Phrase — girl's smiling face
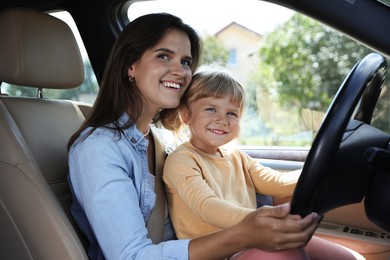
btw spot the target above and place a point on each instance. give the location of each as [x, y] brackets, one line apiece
[163, 72]
[213, 122]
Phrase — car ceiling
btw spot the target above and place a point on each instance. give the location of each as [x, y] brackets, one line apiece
[335, 13]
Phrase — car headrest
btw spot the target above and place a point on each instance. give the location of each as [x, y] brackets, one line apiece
[38, 50]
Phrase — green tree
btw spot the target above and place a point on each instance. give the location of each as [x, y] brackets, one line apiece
[302, 65]
[214, 52]
[310, 61]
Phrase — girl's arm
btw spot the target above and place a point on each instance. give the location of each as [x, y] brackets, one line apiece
[268, 181]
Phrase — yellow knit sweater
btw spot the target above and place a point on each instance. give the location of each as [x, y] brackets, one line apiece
[207, 193]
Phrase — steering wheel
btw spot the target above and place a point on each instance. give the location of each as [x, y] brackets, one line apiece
[336, 171]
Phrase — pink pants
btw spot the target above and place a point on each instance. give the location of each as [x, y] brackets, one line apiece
[255, 254]
[316, 249]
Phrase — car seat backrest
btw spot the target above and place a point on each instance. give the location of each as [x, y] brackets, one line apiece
[39, 51]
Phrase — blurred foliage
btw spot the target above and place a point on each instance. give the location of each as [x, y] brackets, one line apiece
[303, 63]
[214, 52]
[309, 61]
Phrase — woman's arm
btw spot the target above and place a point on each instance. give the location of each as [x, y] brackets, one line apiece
[268, 229]
[108, 182]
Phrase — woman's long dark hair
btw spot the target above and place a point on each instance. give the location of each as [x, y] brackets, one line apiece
[117, 94]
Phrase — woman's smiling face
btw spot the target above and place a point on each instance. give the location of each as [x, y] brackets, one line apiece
[163, 72]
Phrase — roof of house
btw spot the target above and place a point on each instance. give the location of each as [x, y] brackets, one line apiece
[238, 25]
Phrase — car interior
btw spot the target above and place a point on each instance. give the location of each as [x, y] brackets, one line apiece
[40, 51]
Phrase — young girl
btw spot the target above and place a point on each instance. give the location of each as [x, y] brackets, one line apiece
[209, 187]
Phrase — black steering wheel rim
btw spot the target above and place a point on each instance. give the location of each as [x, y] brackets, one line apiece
[327, 141]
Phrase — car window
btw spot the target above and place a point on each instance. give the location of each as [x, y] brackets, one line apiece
[290, 64]
[86, 92]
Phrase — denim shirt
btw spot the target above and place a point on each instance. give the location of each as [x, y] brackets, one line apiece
[113, 195]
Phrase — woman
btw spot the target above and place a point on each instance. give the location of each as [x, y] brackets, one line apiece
[112, 155]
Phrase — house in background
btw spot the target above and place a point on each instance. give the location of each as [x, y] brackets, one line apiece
[243, 45]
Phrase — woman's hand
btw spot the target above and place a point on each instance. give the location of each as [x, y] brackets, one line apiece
[273, 229]
[269, 228]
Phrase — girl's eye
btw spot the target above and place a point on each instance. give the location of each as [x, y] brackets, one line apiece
[211, 109]
[233, 114]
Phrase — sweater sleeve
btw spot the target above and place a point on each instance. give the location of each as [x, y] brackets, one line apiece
[271, 182]
[183, 175]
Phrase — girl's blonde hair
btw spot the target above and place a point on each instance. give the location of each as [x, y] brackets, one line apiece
[209, 82]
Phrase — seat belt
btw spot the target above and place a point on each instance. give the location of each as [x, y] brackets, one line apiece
[156, 221]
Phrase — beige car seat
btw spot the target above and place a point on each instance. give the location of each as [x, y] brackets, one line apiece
[39, 51]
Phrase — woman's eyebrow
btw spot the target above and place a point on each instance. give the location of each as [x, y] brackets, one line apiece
[165, 50]
[171, 52]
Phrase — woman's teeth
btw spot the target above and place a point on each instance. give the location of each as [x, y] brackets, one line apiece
[171, 85]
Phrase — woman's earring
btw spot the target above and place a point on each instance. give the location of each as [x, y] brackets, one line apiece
[131, 79]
